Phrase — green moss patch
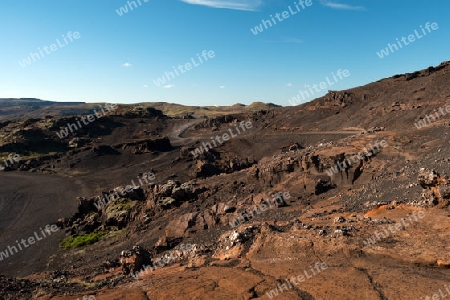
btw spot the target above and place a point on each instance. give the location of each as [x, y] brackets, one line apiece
[80, 241]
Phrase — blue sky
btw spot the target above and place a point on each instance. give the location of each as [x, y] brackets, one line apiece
[117, 58]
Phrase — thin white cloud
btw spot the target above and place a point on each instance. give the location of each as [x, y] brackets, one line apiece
[126, 65]
[222, 87]
[288, 84]
[146, 86]
[341, 5]
[169, 86]
[249, 5]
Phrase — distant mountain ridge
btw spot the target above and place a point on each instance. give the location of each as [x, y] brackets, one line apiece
[26, 108]
[34, 101]
[398, 101]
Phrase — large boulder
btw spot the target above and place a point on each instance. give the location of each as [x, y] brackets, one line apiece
[177, 228]
[322, 186]
[133, 260]
[117, 212]
[435, 188]
[173, 193]
[428, 178]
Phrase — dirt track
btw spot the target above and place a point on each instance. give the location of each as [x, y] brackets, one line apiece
[327, 219]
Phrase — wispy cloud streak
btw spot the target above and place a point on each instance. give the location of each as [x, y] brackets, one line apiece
[342, 6]
[249, 5]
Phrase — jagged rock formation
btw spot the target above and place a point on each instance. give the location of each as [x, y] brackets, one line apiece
[435, 188]
[369, 218]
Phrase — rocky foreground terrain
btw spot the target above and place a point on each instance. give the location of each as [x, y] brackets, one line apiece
[343, 197]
